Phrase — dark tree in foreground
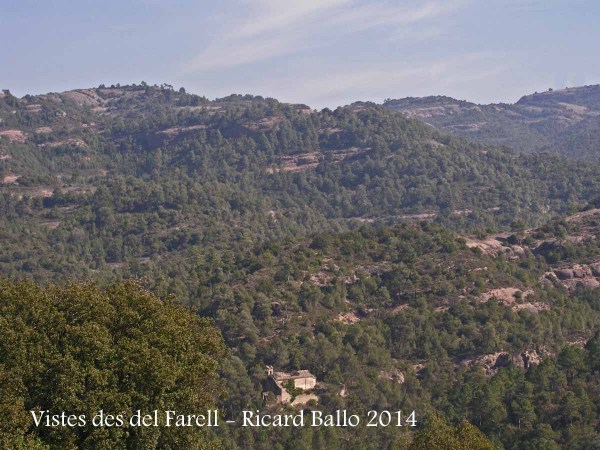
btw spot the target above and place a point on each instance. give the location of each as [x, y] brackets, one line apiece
[437, 434]
[80, 349]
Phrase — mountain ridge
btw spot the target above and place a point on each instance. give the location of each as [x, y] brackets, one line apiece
[360, 149]
[565, 121]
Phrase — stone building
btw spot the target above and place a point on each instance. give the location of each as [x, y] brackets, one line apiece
[280, 382]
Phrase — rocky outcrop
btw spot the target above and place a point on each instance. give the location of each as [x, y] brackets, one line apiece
[514, 298]
[14, 135]
[587, 275]
[564, 274]
[493, 362]
[394, 375]
[530, 358]
[348, 318]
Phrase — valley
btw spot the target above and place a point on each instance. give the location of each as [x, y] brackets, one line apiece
[402, 266]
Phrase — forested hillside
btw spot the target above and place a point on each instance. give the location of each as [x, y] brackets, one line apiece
[114, 177]
[494, 329]
[565, 121]
[404, 267]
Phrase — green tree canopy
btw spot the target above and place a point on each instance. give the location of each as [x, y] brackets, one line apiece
[438, 434]
[80, 349]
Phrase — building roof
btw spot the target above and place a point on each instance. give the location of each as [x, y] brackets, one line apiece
[284, 376]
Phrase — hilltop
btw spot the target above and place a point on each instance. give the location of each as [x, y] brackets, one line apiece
[565, 121]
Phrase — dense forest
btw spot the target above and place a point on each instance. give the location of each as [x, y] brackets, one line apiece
[405, 268]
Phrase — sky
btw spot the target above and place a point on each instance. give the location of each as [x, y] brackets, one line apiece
[323, 53]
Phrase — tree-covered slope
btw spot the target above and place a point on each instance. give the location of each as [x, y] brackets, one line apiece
[354, 243]
[418, 318]
[558, 121]
[121, 176]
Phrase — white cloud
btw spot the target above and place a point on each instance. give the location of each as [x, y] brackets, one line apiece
[376, 15]
[414, 34]
[274, 28]
[226, 55]
[274, 15]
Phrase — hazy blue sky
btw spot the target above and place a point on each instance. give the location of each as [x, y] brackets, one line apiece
[319, 52]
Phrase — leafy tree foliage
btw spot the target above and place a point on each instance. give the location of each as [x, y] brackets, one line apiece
[439, 435]
[79, 349]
